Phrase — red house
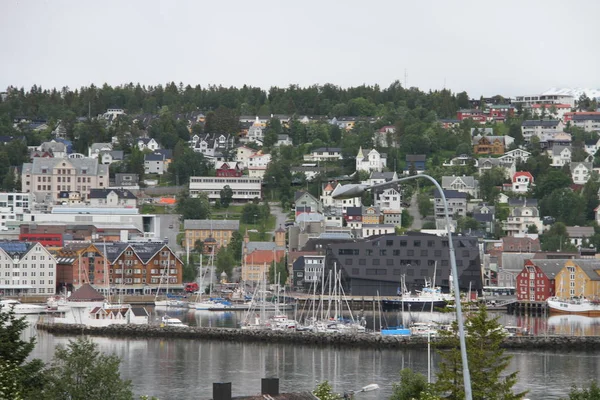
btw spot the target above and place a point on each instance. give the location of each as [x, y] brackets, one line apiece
[475, 115]
[536, 281]
[229, 170]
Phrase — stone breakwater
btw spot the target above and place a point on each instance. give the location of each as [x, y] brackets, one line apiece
[363, 340]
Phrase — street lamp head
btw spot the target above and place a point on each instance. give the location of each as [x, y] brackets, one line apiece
[349, 191]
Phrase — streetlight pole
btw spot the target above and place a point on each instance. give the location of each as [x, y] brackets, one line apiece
[356, 190]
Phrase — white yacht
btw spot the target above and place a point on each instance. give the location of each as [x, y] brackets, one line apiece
[20, 308]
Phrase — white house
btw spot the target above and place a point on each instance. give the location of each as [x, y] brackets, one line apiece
[537, 128]
[464, 184]
[520, 218]
[12, 208]
[581, 172]
[560, 155]
[148, 143]
[257, 165]
[326, 198]
[242, 155]
[155, 163]
[112, 198]
[256, 132]
[389, 199]
[384, 137]
[462, 160]
[370, 160]
[377, 229]
[591, 146]
[589, 122]
[577, 234]
[522, 181]
[58, 149]
[26, 268]
[96, 149]
[515, 156]
[283, 140]
[324, 154]
[556, 111]
[380, 177]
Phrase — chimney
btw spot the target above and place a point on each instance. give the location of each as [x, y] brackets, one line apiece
[221, 390]
[269, 386]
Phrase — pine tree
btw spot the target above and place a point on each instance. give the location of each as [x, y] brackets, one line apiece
[487, 361]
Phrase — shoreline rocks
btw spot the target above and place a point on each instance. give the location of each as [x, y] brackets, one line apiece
[370, 341]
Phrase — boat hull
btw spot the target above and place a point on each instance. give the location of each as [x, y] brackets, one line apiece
[577, 308]
[425, 305]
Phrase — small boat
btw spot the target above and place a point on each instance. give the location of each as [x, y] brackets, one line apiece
[20, 308]
[396, 331]
[575, 305]
[423, 300]
[172, 322]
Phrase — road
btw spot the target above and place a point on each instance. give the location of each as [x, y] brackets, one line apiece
[280, 216]
[413, 210]
[166, 220]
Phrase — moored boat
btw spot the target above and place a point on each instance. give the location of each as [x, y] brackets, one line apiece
[576, 305]
[20, 308]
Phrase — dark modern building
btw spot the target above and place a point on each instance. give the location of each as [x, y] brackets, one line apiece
[375, 265]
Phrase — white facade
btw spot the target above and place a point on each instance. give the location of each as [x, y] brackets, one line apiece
[545, 98]
[114, 200]
[314, 265]
[377, 229]
[149, 144]
[556, 111]
[581, 172]
[520, 218]
[538, 128]
[389, 199]
[589, 123]
[257, 165]
[32, 271]
[463, 184]
[255, 132]
[13, 206]
[244, 189]
[592, 147]
[324, 154]
[242, 154]
[329, 202]
[514, 156]
[522, 182]
[370, 161]
[560, 155]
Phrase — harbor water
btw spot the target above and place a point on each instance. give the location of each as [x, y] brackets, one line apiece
[186, 369]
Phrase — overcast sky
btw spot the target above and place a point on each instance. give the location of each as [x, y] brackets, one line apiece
[486, 48]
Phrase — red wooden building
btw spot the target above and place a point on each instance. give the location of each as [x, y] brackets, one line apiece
[229, 170]
[536, 282]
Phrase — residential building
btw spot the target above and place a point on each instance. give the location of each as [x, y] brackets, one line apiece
[449, 123]
[96, 149]
[313, 268]
[515, 156]
[371, 215]
[242, 154]
[310, 171]
[581, 172]
[389, 199]
[475, 115]
[414, 162]
[256, 132]
[520, 218]
[485, 215]
[12, 208]
[392, 217]
[124, 180]
[326, 198]
[306, 202]
[47, 177]
[549, 97]
[258, 256]
[112, 198]
[201, 229]
[370, 160]
[148, 143]
[482, 132]
[55, 148]
[462, 160]
[157, 162]
[536, 282]
[522, 182]
[457, 203]
[463, 184]
[376, 265]
[578, 278]
[368, 230]
[324, 154]
[257, 165]
[537, 128]
[578, 234]
[385, 136]
[555, 111]
[381, 177]
[591, 146]
[486, 164]
[26, 269]
[492, 145]
[590, 122]
[283, 140]
[229, 170]
[560, 155]
[244, 189]
[211, 144]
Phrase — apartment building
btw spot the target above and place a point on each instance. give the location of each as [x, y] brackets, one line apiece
[244, 189]
[47, 177]
[26, 268]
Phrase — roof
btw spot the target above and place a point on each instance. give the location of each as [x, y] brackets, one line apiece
[264, 256]
[550, 267]
[354, 211]
[86, 293]
[16, 249]
[415, 157]
[542, 123]
[557, 149]
[388, 176]
[301, 193]
[90, 165]
[209, 224]
[451, 194]
[154, 157]
[103, 193]
[328, 149]
[470, 181]
[580, 231]
[511, 243]
[589, 117]
[522, 202]
[522, 173]
[589, 266]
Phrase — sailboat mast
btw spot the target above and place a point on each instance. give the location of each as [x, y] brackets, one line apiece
[433, 285]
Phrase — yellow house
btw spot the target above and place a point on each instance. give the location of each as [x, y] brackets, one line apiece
[578, 278]
[371, 215]
[203, 229]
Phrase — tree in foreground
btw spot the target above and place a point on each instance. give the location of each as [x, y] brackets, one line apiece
[591, 393]
[412, 386]
[324, 391]
[487, 361]
[80, 371]
[18, 378]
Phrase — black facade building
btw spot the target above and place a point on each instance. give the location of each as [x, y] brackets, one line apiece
[375, 265]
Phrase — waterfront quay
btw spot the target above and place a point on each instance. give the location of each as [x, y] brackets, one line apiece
[357, 340]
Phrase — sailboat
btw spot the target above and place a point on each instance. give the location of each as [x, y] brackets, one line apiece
[211, 303]
[401, 330]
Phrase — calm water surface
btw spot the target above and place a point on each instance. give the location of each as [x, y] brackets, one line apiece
[186, 369]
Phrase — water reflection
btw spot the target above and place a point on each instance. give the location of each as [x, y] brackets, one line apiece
[187, 368]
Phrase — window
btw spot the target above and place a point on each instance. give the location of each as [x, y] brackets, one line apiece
[417, 243]
[389, 243]
[403, 243]
[369, 252]
[383, 252]
[396, 253]
[430, 243]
